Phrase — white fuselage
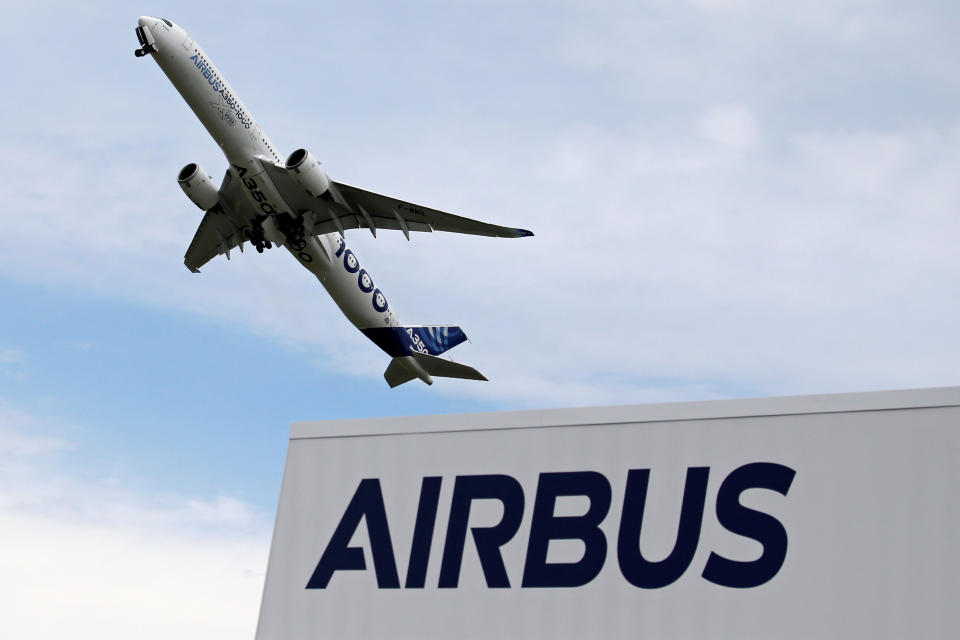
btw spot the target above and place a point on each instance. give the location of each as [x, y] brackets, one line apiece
[246, 148]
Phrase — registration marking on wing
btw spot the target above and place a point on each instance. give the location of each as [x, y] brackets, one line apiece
[403, 206]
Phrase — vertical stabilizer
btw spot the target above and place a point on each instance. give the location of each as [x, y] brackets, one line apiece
[401, 341]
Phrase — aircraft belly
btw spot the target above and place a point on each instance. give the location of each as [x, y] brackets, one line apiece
[327, 256]
[350, 286]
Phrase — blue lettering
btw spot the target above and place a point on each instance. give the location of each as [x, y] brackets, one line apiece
[639, 571]
[367, 503]
[545, 526]
[423, 533]
[488, 540]
[763, 528]
[537, 572]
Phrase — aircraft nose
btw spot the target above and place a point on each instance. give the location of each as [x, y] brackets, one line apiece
[147, 36]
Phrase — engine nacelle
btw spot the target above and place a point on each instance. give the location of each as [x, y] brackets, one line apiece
[199, 186]
[306, 169]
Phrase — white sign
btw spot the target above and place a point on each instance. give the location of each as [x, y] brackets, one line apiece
[786, 518]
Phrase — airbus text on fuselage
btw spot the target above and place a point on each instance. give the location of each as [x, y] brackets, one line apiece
[265, 201]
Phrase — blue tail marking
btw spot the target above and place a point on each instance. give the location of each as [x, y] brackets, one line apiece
[402, 341]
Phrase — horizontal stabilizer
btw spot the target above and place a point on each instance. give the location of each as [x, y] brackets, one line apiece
[420, 365]
[397, 374]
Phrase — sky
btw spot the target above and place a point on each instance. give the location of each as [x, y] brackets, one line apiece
[731, 198]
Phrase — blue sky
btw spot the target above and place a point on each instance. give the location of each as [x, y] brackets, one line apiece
[731, 198]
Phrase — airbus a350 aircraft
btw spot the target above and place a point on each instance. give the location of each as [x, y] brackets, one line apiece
[294, 204]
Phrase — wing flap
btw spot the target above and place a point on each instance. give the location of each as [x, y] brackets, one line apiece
[352, 222]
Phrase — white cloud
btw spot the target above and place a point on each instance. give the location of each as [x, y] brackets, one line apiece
[25, 438]
[730, 125]
[722, 6]
[809, 267]
[663, 264]
[723, 204]
[863, 163]
[11, 356]
[86, 558]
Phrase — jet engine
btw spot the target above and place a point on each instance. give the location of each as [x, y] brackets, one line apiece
[306, 169]
[199, 186]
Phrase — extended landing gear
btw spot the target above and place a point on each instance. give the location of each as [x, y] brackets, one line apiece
[255, 234]
[148, 44]
[290, 226]
[261, 244]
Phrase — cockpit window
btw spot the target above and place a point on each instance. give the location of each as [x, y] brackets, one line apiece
[168, 23]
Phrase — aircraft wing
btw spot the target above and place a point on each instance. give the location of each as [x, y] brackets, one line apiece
[391, 213]
[355, 208]
[221, 228]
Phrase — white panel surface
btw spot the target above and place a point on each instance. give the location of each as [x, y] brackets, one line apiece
[872, 519]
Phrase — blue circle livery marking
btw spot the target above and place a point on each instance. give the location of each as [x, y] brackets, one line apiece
[364, 281]
[350, 262]
[379, 301]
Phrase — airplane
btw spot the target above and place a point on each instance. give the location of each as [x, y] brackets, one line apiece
[294, 204]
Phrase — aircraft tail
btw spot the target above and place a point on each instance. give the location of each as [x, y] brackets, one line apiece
[432, 340]
[420, 365]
